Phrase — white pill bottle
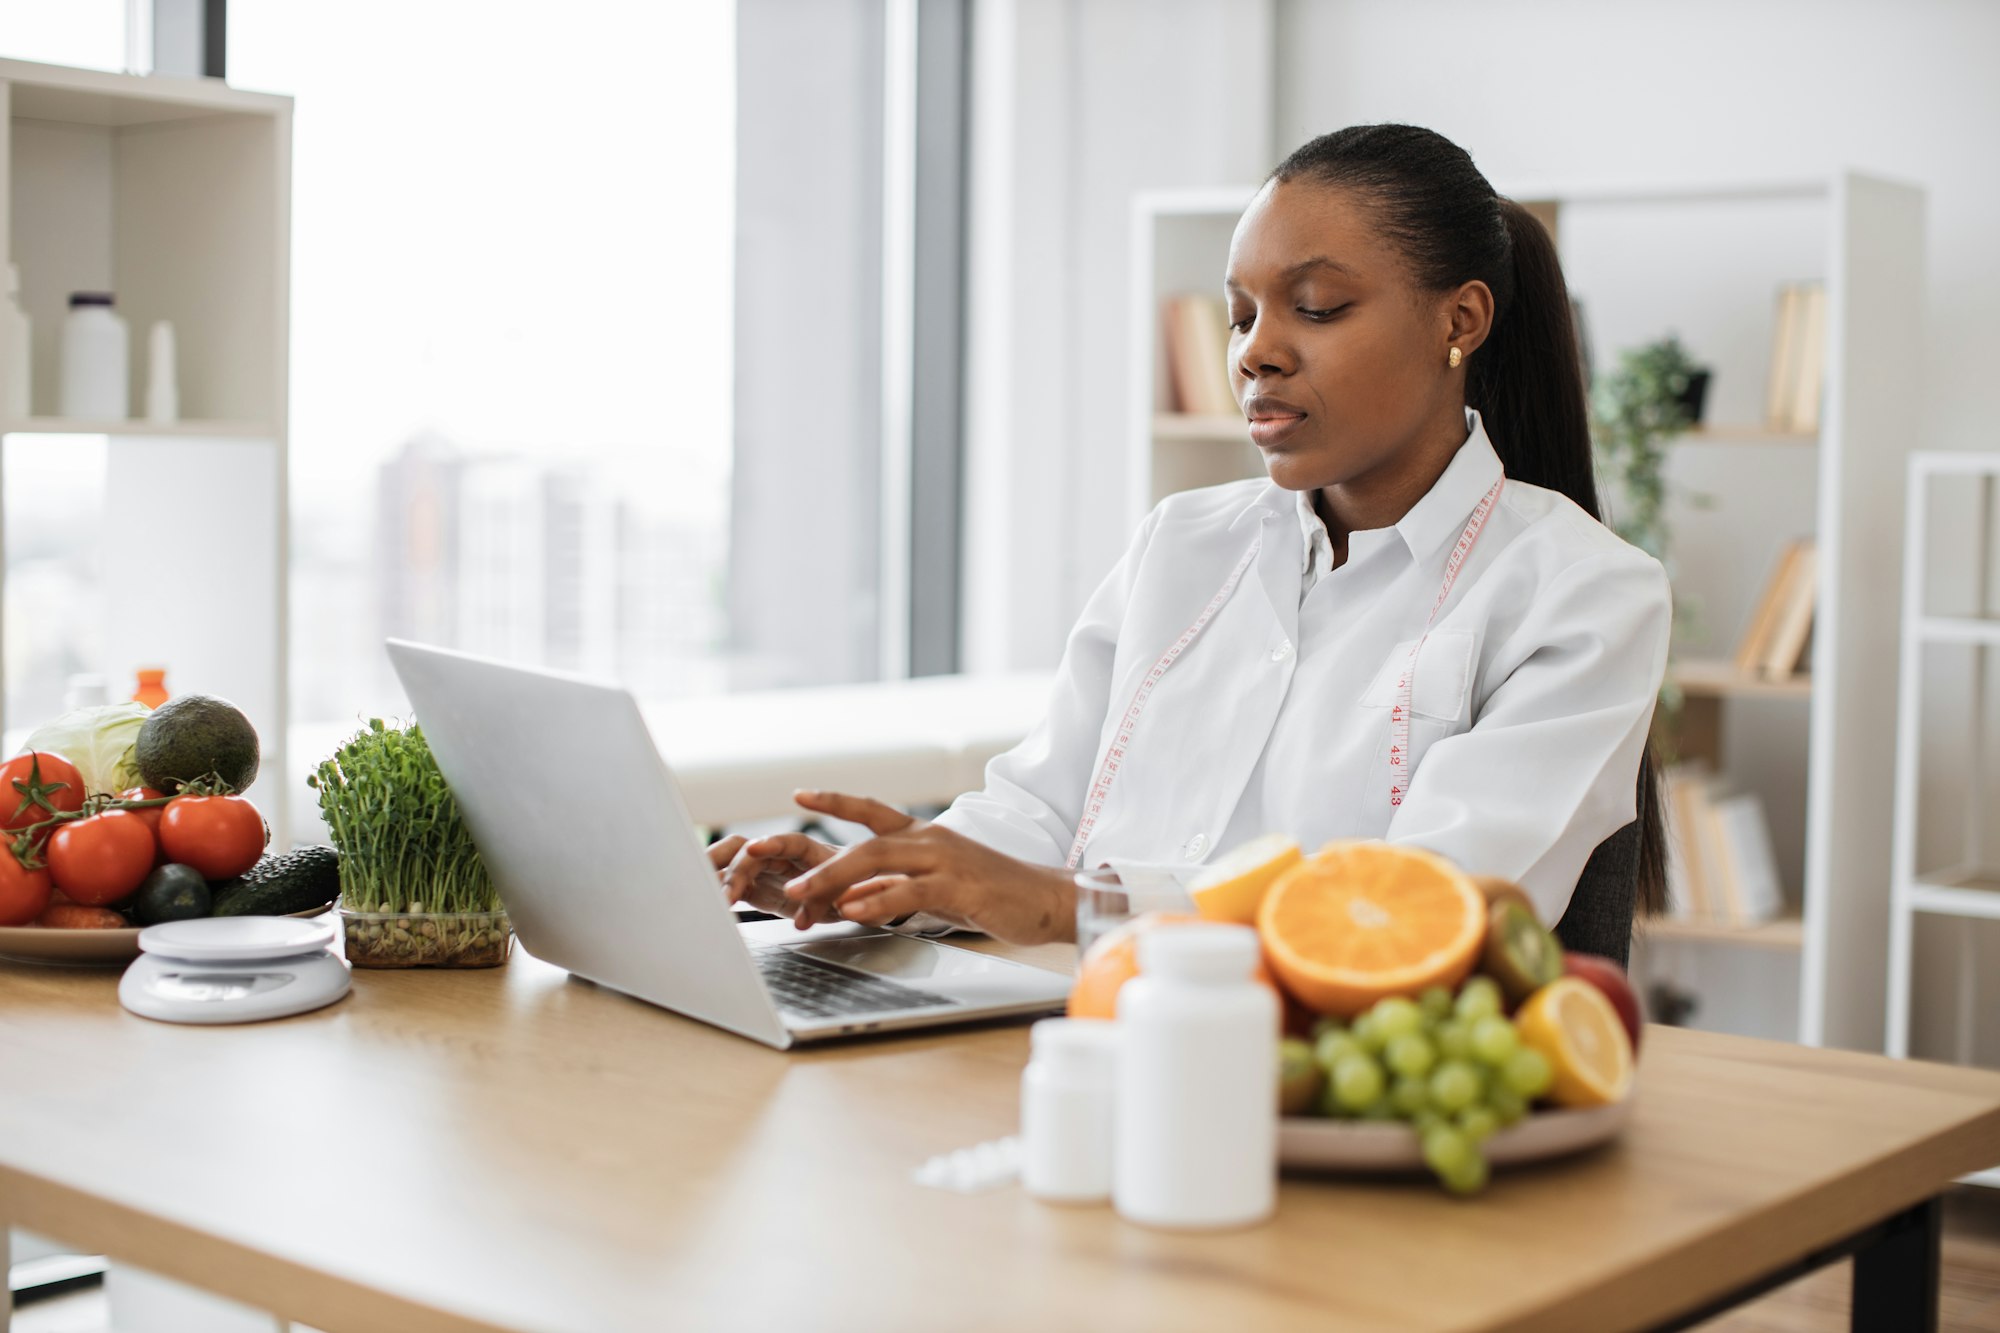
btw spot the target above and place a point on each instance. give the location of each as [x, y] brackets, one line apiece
[1066, 1110]
[1196, 1143]
[96, 355]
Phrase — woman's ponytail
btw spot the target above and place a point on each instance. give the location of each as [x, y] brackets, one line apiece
[1526, 379]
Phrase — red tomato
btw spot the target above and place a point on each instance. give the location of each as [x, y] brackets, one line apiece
[218, 835]
[26, 777]
[152, 814]
[24, 894]
[104, 858]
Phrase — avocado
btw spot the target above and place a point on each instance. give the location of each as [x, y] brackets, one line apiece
[296, 881]
[193, 736]
[170, 893]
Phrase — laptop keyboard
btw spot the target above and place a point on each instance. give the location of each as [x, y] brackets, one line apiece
[817, 989]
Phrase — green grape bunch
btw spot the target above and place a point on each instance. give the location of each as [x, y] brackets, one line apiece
[1452, 1067]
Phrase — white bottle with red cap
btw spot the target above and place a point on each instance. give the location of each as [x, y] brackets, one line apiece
[1196, 1144]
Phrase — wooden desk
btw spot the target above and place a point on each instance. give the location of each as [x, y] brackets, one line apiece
[515, 1150]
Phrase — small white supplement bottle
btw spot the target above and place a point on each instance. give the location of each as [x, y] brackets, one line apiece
[1066, 1110]
[95, 360]
[1197, 1118]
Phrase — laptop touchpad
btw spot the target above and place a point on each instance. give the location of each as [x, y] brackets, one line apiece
[901, 958]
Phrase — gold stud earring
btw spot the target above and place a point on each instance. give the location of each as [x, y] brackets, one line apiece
[1454, 358]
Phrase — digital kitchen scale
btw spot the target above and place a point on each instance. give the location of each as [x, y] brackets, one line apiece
[233, 969]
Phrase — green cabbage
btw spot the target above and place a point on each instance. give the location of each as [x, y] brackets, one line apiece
[98, 740]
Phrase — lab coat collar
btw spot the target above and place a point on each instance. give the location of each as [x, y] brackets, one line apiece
[1433, 521]
[1438, 519]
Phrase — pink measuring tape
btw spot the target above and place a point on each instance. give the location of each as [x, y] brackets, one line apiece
[1114, 758]
[1399, 716]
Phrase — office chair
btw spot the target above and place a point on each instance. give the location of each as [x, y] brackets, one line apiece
[1599, 917]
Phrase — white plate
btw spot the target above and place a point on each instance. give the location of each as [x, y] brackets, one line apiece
[235, 939]
[42, 944]
[1313, 1144]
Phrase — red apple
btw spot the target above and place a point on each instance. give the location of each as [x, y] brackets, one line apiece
[1608, 977]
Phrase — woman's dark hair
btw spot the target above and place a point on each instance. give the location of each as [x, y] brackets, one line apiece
[1526, 380]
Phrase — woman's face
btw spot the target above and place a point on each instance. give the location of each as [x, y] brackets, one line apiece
[1338, 361]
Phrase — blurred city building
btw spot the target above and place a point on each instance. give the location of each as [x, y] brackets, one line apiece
[542, 562]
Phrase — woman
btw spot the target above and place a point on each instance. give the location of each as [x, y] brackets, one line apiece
[1416, 629]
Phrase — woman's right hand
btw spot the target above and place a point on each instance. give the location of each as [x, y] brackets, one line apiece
[756, 871]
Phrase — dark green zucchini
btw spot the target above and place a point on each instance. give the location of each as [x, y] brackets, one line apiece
[297, 881]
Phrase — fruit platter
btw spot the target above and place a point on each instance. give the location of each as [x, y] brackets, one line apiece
[1432, 1021]
[117, 817]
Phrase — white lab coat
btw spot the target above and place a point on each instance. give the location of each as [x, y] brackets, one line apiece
[1532, 696]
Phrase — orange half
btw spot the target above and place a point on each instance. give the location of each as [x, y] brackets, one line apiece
[1361, 920]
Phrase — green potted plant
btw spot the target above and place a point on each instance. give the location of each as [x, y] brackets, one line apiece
[413, 891]
[1649, 399]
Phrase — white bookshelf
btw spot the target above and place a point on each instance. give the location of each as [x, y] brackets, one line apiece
[1968, 890]
[174, 194]
[1813, 975]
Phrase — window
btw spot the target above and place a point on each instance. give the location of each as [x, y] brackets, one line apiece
[511, 339]
[596, 315]
[89, 34]
[54, 487]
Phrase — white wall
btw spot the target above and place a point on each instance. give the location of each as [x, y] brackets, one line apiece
[1705, 89]
[1696, 89]
[1078, 104]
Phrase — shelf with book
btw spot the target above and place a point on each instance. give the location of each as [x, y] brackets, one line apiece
[1724, 881]
[1185, 429]
[1708, 678]
[1785, 933]
[1753, 275]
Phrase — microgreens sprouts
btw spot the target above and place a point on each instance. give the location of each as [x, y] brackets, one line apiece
[403, 844]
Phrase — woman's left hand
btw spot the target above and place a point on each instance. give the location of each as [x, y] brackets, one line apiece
[914, 866]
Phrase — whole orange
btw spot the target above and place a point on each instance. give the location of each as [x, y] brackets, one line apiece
[1113, 960]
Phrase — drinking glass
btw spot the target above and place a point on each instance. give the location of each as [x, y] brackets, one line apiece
[1102, 905]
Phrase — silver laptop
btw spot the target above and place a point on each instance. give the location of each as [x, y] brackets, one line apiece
[607, 878]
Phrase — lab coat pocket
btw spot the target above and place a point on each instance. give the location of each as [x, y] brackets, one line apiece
[1439, 697]
[1443, 679]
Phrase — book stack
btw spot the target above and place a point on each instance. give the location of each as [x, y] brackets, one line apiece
[1197, 329]
[1774, 645]
[1798, 358]
[1720, 866]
